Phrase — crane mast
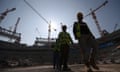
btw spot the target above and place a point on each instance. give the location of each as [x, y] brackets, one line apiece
[14, 31]
[95, 17]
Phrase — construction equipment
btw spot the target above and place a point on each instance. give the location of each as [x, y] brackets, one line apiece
[8, 33]
[2, 15]
[115, 27]
[95, 18]
[15, 28]
[14, 31]
[49, 24]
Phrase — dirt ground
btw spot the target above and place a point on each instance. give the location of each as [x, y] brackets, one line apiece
[74, 68]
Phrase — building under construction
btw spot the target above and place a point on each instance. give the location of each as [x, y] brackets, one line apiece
[15, 54]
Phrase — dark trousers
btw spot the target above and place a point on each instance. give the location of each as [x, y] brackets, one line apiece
[88, 48]
[64, 56]
[56, 59]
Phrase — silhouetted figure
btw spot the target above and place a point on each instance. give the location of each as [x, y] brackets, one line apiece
[56, 55]
[87, 42]
[65, 41]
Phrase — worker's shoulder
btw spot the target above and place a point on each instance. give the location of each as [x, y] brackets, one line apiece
[83, 22]
[64, 33]
[76, 23]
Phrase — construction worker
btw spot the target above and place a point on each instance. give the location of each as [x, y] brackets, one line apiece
[56, 55]
[65, 41]
[87, 42]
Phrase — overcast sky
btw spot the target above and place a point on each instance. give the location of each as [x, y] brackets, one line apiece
[57, 11]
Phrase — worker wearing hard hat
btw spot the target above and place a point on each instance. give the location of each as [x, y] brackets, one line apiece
[65, 40]
[86, 41]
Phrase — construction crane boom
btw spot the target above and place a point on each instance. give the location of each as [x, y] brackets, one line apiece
[36, 11]
[101, 6]
[95, 17]
[97, 8]
[49, 24]
[2, 15]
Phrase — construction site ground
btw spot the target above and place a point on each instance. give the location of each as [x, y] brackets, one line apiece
[74, 68]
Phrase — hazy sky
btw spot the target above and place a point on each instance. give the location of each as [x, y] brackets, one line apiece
[57, 11]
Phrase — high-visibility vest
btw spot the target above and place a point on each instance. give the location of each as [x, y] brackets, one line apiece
[77, 27]
[64, 38]
[56, 46]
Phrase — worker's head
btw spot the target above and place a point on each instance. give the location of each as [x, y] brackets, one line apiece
[64, 27]
[79, 16]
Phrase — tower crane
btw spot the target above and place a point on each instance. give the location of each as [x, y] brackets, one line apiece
[49, 23]
[2, 15]
[95, 17]
[8, 33]
[14, 31]
[15, 28]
